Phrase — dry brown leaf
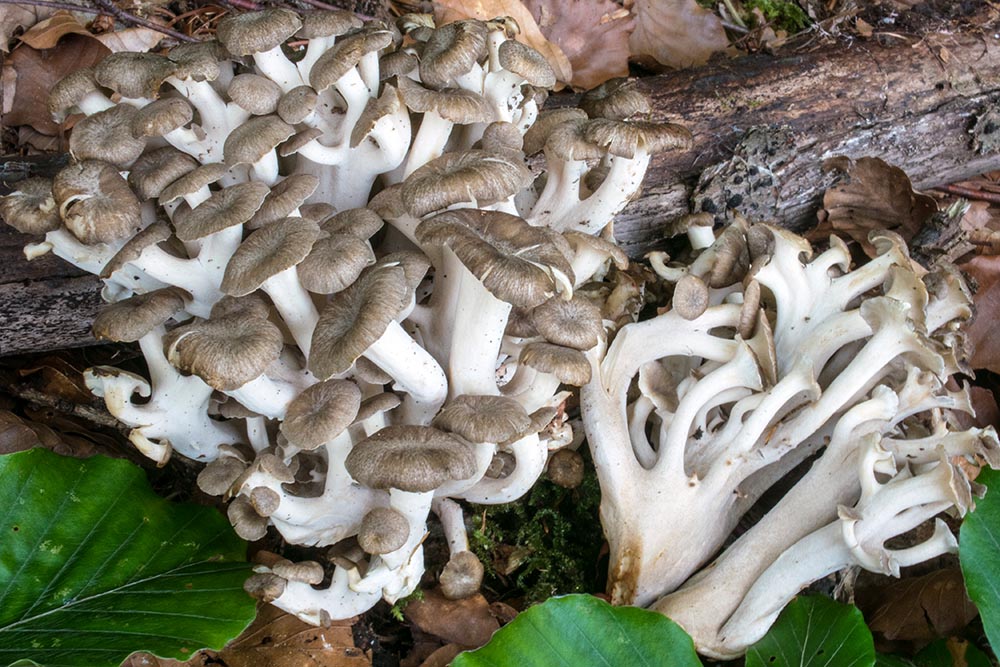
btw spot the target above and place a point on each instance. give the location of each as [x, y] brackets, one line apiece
[13, 17]
[985, 269]
[38, 70]
[443, 656]
[36, 143]
[138, 38]
[46, 34]
[446, 11]
[675, 33]
[18, 435]
[919, 609]
[465, 622]
[56, 377]
[874, 195]
[583, 28]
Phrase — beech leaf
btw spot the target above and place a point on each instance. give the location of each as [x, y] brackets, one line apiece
[675, 33]
[919, 608]
[94, 566]
[815, 631]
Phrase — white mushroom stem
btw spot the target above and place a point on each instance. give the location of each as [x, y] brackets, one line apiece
[295, 306]
[414, 371]
[189, 275]
[562, 190]
[274, 65]
[452, 520]
[430, 141]
[314, 605]
[62, 244]
[484, 452]
[265, 396]
[623, 180]
[530, 455]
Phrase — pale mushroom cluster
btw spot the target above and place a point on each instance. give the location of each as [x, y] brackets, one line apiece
[359, 305]
[768, 356]
[356, 301]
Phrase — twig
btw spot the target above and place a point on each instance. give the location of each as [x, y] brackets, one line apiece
[91, 414]
[126, 17]
[970, 193]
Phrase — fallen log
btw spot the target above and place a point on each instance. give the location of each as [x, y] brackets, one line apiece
[913, 101]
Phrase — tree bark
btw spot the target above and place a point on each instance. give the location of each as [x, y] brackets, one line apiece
[913, 102]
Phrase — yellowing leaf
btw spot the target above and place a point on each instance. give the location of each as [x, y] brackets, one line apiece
[455, 10]
[13, 17]
[583, 28]
[47, 33]
[138, 38]
[675, 33]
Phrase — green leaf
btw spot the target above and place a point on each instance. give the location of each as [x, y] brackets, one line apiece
[979, 552]
[815, 631]
[883, 660]
[94, 566]
[576, 630]
[936, 654]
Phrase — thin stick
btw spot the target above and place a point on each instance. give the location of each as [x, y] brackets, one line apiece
[248, 5]
[126, 17]
[970, 193]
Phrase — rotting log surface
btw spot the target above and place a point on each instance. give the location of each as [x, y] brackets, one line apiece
[912, 103]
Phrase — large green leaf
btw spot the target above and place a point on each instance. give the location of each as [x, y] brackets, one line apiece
[979, 551]
[94, 566]
[936, 654]
[577, 630]
[815, 631]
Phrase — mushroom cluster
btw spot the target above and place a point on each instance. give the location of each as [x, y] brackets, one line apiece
[356, 301]
[767, 357]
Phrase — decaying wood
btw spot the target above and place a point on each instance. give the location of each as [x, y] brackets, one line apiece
[913, 103]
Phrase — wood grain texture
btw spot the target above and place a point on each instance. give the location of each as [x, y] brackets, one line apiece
[912, 103]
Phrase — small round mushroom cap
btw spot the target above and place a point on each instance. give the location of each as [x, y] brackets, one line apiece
[344, 55]
[285, 196]
[218, 477]
[254, 32]
[548, 121]
[616, 99]
[503, 138]
[376, 109]
[355, 318]
[455, 104]
[451, 51]
[227, 352]
[565, 468]
[133, 74]
[462, 576]
[157, 232]
[519, 324]
[624, 138]
[198, 61]
[414, 264]
[162, 116]
[574, 323]
[251, 305]
[334, 263]
[410, 458]
[329, 23]
[130, 319]
[527, 63]
[254, 139]
[690, 297]
[69, 90]
[320, 413]
[383, 530]
[31, 208]
[296, 105]
[227, 207]
[96, 203]
[383, 402]
[407, 23]
[463, 177]
[307, 571]
[257, 94]
[192, 181]
[569, 365]
[246, 522]
[397, 63]
[568, 141]
[295, 142]
[107, 135]
[264, 500]
[266, 253]
[483, 418]
[362, 223]
[513, 259]
[156, 170]
[264, 586]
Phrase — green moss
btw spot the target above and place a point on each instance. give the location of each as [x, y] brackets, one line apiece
[781, 14]
[545, 544]
[396, 611]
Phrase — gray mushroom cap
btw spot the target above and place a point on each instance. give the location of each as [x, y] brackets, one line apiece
[255, 93]
[624, 138]
[96, 203]
[130, 319]
[254, 139]
[334, 263]
[383, 530]
[483, 418]
[155, 233]
[410, 458]
[690, 298]
[527, 63]
[255, 32]
[133, 74]
[572, 323]
[474, 175]
[230, 206]
[548, 121]
[296, 105]
[344, 55]
[285, 197]
[162, 116]
[198, 61]
[250, 526]
[569, 365]
[69, 90]
[616, 99]
[462, 576]
[225, 352]
[107, 135]
[191, 181]
[267, 252]
[455, 104]
[328, 23]
[31, 208]
[503, 251]
[451, 51]
[320, 413]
